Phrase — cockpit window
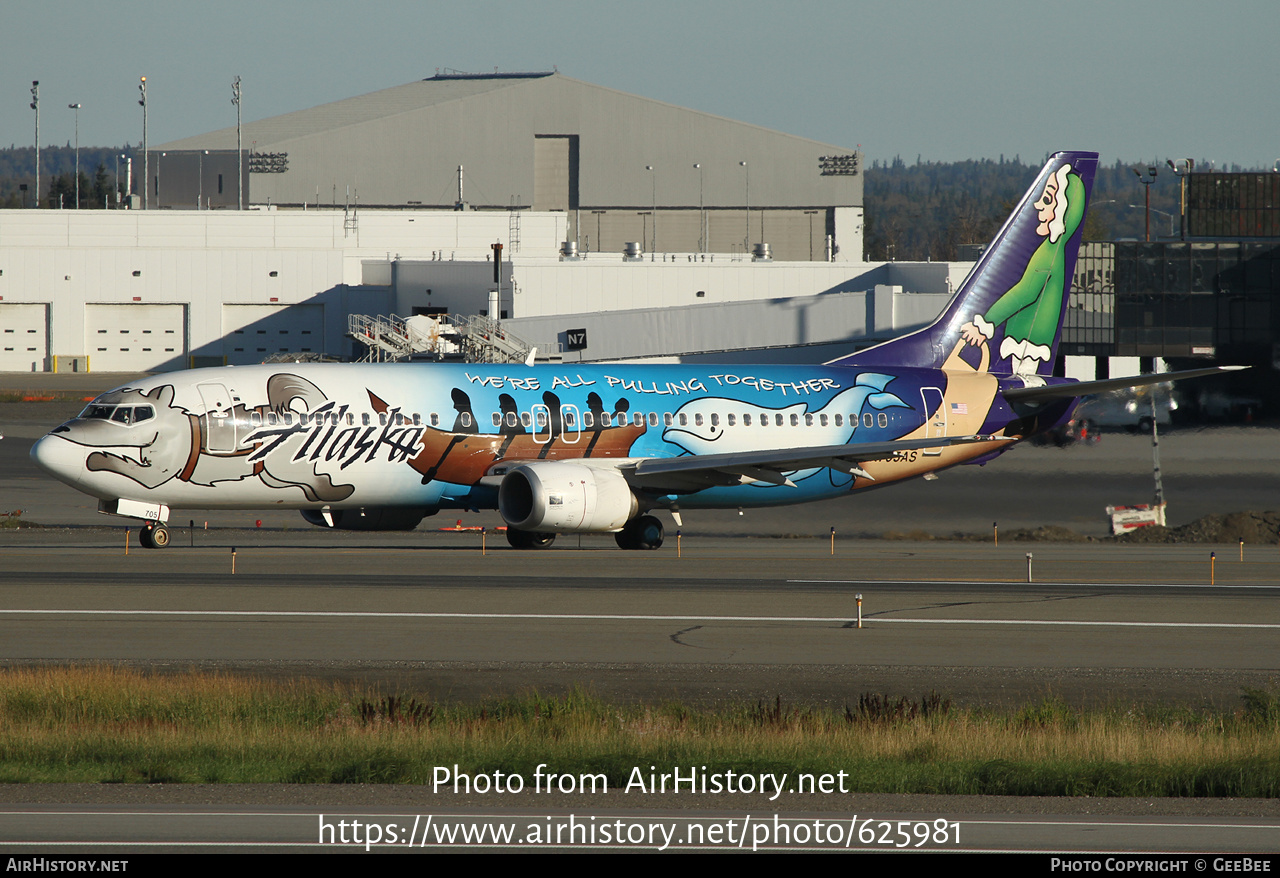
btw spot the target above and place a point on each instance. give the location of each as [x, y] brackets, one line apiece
[98, 412]
[121, 414]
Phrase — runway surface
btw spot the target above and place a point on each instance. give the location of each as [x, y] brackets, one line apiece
[737, 615]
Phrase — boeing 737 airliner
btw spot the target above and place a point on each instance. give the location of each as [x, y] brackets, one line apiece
[598, 448]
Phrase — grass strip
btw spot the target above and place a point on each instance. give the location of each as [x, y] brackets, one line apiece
[111, 725]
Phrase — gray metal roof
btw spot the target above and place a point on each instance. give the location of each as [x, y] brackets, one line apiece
[419, 95]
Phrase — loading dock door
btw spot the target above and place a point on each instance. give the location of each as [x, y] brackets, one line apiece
[251, 333]
[24, 337]
[135, 337]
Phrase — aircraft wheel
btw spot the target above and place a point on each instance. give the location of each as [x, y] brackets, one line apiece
[159, 537]
[644, 532]
[526, 539]
[144, 538]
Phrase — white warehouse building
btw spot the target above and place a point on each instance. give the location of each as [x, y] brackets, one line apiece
[638, 228]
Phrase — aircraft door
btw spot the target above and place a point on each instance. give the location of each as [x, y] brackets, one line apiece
[935, 417]
[570, 423]
[542, 427]
[219, 419]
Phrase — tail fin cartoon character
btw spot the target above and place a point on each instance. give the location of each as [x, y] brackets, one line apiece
[1014, 300]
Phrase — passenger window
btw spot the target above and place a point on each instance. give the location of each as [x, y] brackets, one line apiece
[288, 419]
[882, 419]
[808, 420]
[568, 418]
[746, 420]
[272, 419]
[777, 419]
[822, 420]
[840, 419]
[638, 419]
[606, 419]
[382, 419]
[542, 420]
[732, 419]
[866, 419]
[666, 419]
[417, 420]
[435, 419]
[364, 419]
[255, 419]
[653, 419]
[715, 419]
[588, 419]
[511, 419]
[795, 420]
[697, 419]
[684, 420]
[525, 419]
[465, 418]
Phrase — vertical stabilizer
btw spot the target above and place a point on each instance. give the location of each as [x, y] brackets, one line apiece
[1007, 316]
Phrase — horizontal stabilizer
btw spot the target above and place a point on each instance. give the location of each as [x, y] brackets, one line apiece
[1085, 388]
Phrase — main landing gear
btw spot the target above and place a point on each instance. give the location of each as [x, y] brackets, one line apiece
[154, 536]
[644, 532]
[527, 539]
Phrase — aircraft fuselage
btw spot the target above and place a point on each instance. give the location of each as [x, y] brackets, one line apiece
[441, 435]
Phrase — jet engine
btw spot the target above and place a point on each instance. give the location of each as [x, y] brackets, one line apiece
[373, 518]
[557, 497]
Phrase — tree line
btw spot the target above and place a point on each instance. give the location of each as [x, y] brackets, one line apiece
[58, 177]
[913, 212]
[932, 210]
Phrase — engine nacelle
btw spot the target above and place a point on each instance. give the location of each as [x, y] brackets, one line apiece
[373, 518]
[559, 497]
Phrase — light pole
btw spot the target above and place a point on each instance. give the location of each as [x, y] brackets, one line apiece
[159, 200]
[35, 105]
[1146, 182]
[653, 174]
[76, 107]
[235, 99]
[1188, 165]
[146, 165]
[702, 213]
[746, 241]
[200, 175]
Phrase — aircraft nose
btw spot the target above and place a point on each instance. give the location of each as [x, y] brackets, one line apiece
[59, 458]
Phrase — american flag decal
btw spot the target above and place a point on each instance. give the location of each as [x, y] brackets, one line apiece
[959, 408]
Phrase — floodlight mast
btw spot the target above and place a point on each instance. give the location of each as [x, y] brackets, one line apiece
[146, 166]
[235, 99]
[35, 105]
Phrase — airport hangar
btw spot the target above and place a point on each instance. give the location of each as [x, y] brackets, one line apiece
[630, 229]
[390, 203]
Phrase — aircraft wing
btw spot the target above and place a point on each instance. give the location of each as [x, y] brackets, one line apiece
[1084, 388]
[695, 472]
